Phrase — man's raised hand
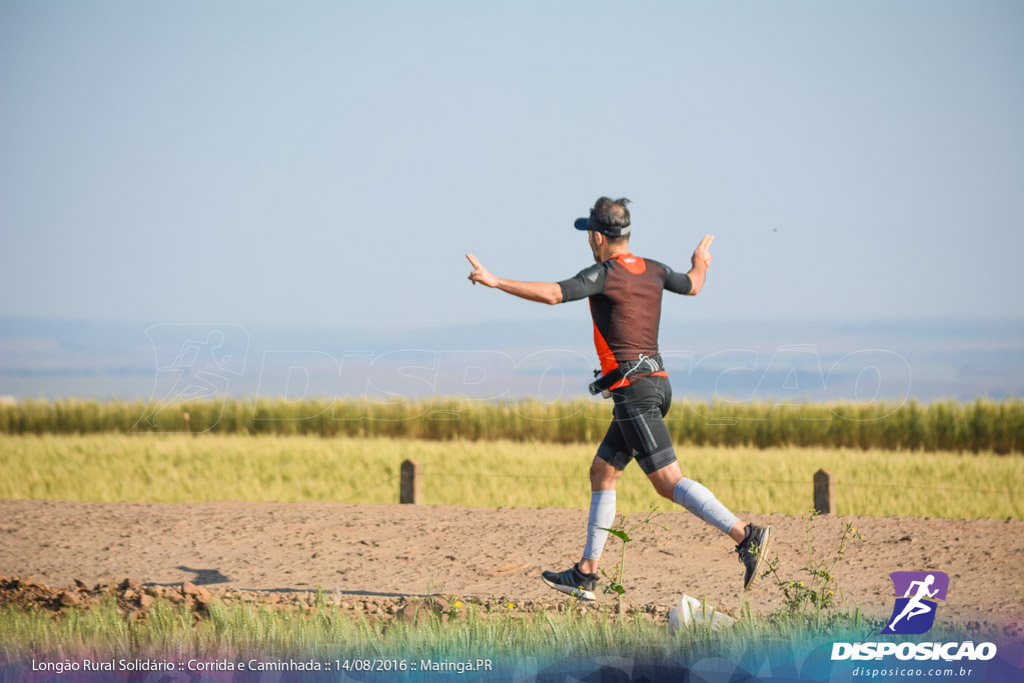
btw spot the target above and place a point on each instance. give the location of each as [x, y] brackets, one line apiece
[481, 274]
[702, 254]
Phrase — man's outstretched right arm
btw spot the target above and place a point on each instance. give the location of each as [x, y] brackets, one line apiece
[543, 292]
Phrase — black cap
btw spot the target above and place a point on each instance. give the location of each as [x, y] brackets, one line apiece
[608, 230]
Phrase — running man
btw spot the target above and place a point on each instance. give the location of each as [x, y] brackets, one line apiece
[625, 302]
[915, 606]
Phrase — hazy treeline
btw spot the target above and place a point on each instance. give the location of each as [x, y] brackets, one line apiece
[982, 425]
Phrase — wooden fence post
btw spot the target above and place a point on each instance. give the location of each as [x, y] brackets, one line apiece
[824, 495]
[409, 491]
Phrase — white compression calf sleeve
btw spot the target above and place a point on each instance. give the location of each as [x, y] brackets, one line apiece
[700, 501]
[602, 514]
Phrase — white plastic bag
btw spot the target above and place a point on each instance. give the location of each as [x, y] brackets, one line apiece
[690, 611]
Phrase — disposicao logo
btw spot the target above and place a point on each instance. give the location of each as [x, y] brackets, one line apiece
[914, 613]
[916, 593]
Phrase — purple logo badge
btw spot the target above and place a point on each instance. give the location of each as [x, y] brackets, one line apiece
[916, 593]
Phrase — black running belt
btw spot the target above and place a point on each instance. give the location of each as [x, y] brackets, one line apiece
[639, 368]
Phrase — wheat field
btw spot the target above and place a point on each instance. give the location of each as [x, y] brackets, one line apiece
[210, 467]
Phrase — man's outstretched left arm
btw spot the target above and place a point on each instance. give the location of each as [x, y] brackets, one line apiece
[543, 292]
[700, 261]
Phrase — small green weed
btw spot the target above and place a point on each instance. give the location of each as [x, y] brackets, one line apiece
[819, 595]
[622, 533]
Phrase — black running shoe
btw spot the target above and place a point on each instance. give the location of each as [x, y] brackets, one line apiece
[752, 552]
[572, 581]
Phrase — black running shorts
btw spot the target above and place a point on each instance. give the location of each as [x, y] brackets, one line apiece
[638, 428]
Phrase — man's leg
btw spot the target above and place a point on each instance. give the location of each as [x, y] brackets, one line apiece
[580, 580]
[670, 483]
[603, 476]
[752, 541]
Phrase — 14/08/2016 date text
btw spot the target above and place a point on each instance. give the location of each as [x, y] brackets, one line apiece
[457, 667]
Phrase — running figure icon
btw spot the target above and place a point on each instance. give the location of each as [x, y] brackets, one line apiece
[915, 606]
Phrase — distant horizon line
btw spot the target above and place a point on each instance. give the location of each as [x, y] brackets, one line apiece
[884, 319]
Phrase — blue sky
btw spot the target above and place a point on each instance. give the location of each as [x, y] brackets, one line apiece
[330, 163]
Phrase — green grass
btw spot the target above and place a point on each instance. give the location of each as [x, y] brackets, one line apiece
[979, 426]
[327, 632]
[179, 468]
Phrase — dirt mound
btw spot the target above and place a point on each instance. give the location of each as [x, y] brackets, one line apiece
[134, 601]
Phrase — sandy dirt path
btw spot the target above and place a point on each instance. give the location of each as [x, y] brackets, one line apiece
[404, 550]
